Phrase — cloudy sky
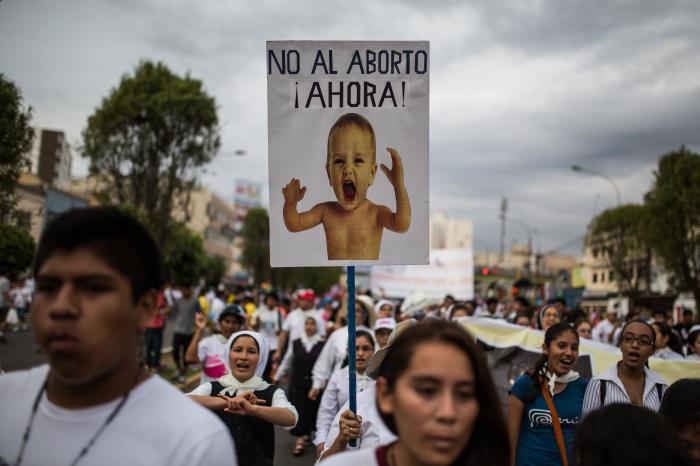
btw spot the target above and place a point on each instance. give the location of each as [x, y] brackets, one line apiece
[520, 90]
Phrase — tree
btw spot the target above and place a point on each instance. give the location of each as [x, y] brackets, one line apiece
[148, 139]
[16, 249]
[619, 234]
[256, 256]
[184, 258]
[256, 244]
[214, 269]
[673, 218]
[16, 135]
[183, 255]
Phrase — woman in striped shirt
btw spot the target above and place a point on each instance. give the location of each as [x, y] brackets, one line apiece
[630, 380]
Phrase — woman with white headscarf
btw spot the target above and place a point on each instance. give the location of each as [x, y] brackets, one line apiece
[248, 405]
[297, 363]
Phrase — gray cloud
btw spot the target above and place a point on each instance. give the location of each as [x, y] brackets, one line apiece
[520, 90]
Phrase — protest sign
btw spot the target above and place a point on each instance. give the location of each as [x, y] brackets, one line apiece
[348, 152]
[451, 271]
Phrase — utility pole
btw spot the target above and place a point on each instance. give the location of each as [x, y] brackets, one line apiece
[504, 209]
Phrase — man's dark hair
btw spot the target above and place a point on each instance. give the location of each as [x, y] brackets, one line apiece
[620, 434]
[113, 235]
[681, 403]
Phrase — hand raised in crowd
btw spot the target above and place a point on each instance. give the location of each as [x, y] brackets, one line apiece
[350, 426]
[200, 321]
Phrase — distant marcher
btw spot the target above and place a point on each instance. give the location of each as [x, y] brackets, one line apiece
[5, 301]
[209, 351]
[382, 329]
[544, 405]
[548, 316]
[182, 315]
[694, 343]
[153, 339]
[297, 363]
[335, 350]
[584, 328]
[385, 309]
[604, 331]
[629, 381]
[97, 274]
[625, 435]
[667, 345]
[268, 319]
[459, 310]
[681, 407]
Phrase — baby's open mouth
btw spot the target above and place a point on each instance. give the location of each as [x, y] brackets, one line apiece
[349, 191]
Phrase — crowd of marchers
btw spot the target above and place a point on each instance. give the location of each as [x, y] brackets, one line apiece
[425, 393]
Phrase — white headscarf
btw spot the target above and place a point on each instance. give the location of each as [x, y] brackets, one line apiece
[310, 341]
[553, 378]
[384, 302]
[233, 386]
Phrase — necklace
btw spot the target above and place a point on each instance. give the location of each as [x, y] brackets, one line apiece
[86, 448]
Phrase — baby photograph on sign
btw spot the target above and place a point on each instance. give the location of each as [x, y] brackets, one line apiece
[348, 152]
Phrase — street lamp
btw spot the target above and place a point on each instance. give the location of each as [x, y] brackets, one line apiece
[586, 171]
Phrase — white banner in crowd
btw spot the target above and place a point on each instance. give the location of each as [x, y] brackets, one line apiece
[500, 334]
[451, 271]
[348, 152]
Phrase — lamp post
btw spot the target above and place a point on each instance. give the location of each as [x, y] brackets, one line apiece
[586, 171]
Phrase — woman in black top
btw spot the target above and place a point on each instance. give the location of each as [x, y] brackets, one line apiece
[301, 359]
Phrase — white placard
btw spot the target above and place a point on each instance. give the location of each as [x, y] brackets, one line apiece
[334, 110]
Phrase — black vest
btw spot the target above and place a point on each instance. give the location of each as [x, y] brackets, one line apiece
[303, 363]
[254, 437]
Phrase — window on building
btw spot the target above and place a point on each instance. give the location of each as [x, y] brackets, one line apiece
[602, 277]
[595, 253]
[611, 275]
[595, 278]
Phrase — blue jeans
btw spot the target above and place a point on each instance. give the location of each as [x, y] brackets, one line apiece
[154, 343]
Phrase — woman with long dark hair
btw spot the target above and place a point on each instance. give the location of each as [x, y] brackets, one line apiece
[544, 405]
[630, 380]
[436, 394]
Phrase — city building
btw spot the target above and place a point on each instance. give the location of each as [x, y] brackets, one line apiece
[51, 157]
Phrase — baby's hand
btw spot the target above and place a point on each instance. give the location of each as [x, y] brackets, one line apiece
[293, 192]
[395, 175]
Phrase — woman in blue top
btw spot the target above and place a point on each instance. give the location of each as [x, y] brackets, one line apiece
[532, 435]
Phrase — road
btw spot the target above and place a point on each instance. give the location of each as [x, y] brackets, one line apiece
[21, 352]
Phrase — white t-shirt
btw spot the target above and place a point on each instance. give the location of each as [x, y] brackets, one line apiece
[157, 425]
[268, 321]
[603, 330]
[210, 352]
[216, 305]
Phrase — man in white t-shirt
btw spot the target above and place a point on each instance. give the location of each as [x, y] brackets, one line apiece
[605, 329]
[97, 273]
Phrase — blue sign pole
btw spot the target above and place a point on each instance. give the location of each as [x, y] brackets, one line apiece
[352, 358]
